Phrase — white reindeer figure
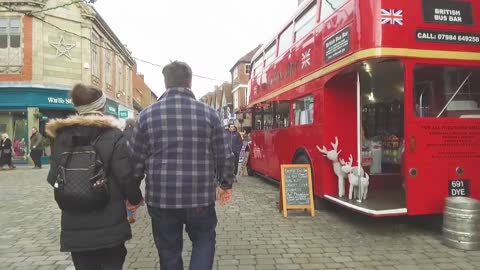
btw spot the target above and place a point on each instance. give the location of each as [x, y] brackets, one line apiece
[337, 168]
[353, 173]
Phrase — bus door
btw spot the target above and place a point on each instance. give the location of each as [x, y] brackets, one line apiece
[442, 144]
[382, 134]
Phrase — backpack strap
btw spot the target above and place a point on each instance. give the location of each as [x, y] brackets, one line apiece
[106, 165]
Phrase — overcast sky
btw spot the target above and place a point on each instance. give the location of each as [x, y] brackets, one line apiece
[210, 35]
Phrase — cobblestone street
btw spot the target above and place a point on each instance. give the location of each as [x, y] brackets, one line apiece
[251, 234]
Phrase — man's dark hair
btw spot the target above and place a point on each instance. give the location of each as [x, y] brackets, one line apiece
[177, 74]
[83, 95]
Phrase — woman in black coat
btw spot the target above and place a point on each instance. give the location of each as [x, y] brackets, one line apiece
[6, 152]
[96, 238]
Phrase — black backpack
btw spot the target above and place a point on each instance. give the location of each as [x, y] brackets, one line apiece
[82, 181]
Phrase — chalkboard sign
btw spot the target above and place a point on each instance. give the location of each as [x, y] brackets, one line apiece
[296, 188]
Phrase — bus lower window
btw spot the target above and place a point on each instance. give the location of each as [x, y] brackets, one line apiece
[268, 117]
[282, 114]
[441, 91]
[303, 110]
[257, 119]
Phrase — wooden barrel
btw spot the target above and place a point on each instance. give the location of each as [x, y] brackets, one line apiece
[461, 223]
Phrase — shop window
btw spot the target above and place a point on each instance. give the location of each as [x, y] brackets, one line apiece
[10, 45]
[282, 114]
[329, 6]
[441, 91]
[15, 125]
[303, 110]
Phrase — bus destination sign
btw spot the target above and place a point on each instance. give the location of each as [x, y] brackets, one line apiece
[447, 12]
[447, 37]
[337, 45]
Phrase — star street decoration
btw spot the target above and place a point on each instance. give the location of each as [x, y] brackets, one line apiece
[63, 49]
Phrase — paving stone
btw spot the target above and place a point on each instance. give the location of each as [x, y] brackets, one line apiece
[251, 234]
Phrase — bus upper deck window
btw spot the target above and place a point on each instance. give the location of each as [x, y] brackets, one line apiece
[306, 22]
[329, 6]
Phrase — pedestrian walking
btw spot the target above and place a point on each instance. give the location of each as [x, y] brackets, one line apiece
[92, 177]
[6, 152]
[36, 148]
[236, 143]
[181, 146]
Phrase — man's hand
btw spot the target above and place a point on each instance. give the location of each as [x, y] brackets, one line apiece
[134, 207]
[224, 196]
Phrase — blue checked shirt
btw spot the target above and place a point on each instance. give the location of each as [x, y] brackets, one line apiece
[180, 144]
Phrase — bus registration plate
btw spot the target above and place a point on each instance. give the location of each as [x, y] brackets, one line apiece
[459, 188]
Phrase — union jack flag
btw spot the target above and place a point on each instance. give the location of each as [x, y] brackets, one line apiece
[392, 16]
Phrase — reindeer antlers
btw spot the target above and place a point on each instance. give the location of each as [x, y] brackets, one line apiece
[335, 145]
[322, 150]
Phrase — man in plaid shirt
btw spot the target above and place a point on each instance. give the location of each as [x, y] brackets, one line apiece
[180, 144]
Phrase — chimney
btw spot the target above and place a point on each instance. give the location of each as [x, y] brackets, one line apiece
[141, 76]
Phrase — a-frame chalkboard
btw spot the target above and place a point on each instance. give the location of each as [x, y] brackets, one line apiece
[296, 188]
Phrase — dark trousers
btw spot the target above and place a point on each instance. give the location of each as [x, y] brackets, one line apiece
[102, 259]
[36, 155]
[200, 224]
[237, 158]
[6, 159]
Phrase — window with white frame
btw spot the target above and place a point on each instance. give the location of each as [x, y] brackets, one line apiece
[109, 66]
[286, 40]
[247, 69]
[95, 55]
[305, 22]
[235, 73]
[10, 44]
[119, 85]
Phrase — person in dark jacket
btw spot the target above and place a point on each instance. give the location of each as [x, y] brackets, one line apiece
[96, 239]
[236, 143]
[6, 152]
[36, 148]
[127, 132]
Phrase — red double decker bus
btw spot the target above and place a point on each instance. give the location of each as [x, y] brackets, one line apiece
[397, 82]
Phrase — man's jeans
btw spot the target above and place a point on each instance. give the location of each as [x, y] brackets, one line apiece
[200, 224]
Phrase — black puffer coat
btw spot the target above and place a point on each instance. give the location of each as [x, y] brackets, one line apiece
[106, 227]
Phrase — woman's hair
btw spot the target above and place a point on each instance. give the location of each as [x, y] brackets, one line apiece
[83, 95]
[4, 136]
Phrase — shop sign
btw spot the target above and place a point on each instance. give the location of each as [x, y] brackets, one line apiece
[337, 45]
[110, 109]
[123, 114]
[447, 37]
[59, 100]
[447, 12]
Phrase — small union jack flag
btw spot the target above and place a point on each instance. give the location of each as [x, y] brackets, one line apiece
[306, 58]
[392, 16]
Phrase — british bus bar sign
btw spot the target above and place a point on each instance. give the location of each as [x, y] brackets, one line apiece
[447, 12]
[459, 188]
[337, 45]
[447, 37]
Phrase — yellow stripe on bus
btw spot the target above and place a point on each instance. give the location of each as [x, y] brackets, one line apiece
[374, 52]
